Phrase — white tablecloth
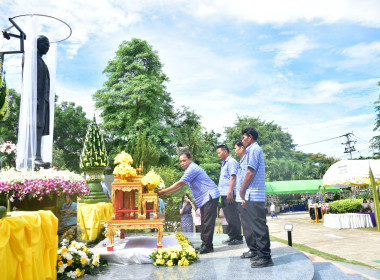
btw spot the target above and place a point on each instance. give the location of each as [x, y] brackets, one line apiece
[135, 249]
[348, 220]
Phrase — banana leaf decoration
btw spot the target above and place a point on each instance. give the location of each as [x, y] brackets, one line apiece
[375, 198]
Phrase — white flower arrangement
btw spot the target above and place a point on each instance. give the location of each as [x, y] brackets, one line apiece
[75, 259]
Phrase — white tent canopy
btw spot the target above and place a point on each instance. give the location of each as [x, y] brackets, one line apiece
[346, 173]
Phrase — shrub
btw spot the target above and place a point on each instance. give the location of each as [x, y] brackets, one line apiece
[346, 206]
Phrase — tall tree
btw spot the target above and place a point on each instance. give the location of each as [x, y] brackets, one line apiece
[143, 151]
[70, 125]
[282, 162]
[9, 127]
[134, 98]
[188, 130]
[375, 141]
[274, 141]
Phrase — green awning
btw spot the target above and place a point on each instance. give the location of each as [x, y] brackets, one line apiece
[296, 186]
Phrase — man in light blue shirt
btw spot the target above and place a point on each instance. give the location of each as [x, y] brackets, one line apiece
[251, 188]
[161, 209]
[227, 182]
[206, 196]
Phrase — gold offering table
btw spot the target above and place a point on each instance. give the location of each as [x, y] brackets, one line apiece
[134, 224]
[132, 208]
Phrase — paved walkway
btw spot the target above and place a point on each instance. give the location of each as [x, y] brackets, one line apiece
[352, 244]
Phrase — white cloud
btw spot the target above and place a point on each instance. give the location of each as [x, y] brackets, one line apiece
[281, 12]
[88, 19]
[219, 75]
[307, 133]
[290, 49]
[79, 95]
[363, 51]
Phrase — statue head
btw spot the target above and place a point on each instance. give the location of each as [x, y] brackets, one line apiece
[43, 44]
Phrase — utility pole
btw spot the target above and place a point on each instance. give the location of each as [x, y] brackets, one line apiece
[349, 148]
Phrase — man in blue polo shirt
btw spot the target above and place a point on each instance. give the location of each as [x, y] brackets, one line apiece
[227, 182]
[251, 189]
[206, 196]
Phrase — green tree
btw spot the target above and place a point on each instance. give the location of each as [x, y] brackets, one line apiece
[144, 152]
[188, 130]
[134, 98]
[70, 125]
[375, 141]
[9, 127]
[273, 140]
[282, 162]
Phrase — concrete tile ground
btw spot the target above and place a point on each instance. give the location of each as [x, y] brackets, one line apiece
[351, 244]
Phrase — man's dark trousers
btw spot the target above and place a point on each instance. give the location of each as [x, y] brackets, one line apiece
[256, 232]
[208, 217]
[231, 212]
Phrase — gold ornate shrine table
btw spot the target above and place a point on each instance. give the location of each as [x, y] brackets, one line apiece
[113, 225]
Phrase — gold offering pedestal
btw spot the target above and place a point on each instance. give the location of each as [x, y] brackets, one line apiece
[132, 207]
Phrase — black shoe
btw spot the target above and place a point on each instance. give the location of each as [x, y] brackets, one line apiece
[235, 242]
[229, 239]
[248, 255]
[205, 250]
[262, 262]
[255, 258]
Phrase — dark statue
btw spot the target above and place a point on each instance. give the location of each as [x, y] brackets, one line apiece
[43, 94]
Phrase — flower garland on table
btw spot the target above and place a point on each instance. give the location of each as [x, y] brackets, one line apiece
[123, 166]
[185, 255]
[75, 259]
[42, 183]
[153, 181]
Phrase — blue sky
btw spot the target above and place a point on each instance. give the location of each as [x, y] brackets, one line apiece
[310, 66]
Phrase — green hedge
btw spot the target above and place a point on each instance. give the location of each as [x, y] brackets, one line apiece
[346, 206]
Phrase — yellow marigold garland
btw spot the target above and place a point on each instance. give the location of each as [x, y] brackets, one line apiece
[185, 255]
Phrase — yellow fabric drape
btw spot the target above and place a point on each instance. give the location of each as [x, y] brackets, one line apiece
[90, 217]
[28, 245]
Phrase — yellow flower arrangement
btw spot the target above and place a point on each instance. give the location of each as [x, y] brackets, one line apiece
[184, 256]
[123, 167]
[123, 157]
[153, 181]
